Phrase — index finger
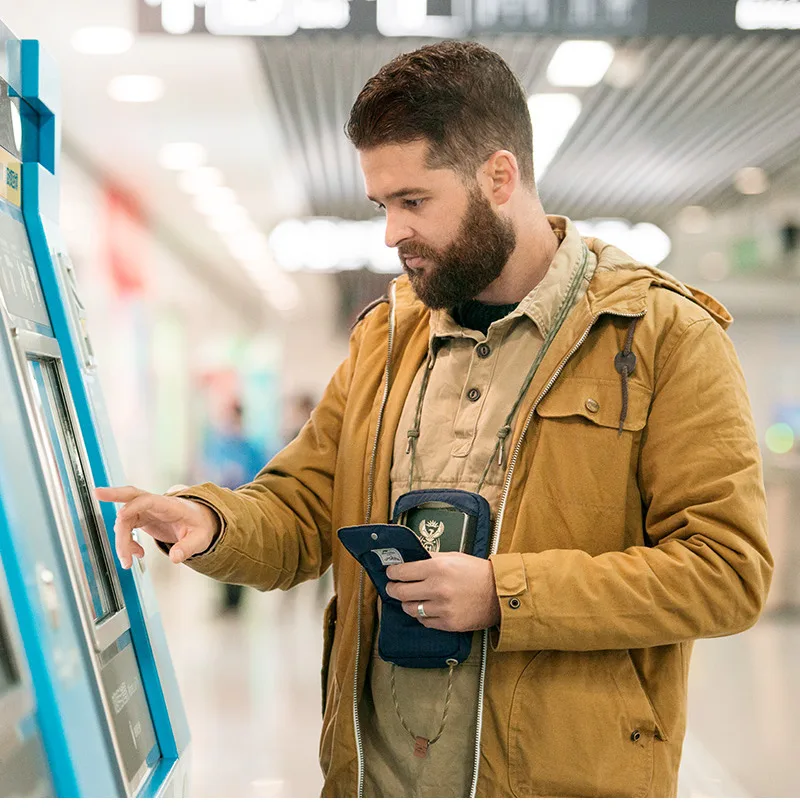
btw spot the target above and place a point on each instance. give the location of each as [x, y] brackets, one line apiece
[409, 572]
[117, 494]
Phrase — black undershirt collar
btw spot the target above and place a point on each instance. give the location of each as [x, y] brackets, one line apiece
[480, 316]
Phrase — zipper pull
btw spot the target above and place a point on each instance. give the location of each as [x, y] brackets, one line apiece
[502, 434]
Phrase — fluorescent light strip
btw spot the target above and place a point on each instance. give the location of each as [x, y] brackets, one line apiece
[580, 63]
[553, 115]
[99, 40]
[328, 245]
[136, 89]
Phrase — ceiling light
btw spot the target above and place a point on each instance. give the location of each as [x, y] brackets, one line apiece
[287, 242]
[553, 116]
[323, 13]
[182, 156]
[215, 200]
[196, 181]
[694, 219]
[644, 241]
[136, 89]
[413, 13]
[231, 220]
[752, 15]
[579, 63]
[100, 40]
[751, 180]
[177, 16]
[16, 125]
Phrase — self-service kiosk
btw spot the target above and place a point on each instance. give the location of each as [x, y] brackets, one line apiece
[108, 714]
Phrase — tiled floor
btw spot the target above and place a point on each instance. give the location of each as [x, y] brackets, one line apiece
[251, 688]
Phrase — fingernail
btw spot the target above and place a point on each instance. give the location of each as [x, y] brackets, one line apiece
[179, 555]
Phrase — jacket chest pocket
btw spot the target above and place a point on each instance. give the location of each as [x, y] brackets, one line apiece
[582, 457]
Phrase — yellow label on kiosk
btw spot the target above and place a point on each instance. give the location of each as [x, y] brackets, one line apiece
[10, 178]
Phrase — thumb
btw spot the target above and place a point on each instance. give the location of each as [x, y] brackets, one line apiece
[193, 543]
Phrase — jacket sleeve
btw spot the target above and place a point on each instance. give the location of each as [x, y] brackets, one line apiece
[707, 568]
[276, 530]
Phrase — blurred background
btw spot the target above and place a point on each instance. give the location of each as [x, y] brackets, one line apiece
[223, 245]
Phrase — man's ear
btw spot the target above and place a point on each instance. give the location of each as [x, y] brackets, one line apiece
[500, 176]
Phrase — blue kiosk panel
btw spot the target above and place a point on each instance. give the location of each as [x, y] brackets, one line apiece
[79, 606]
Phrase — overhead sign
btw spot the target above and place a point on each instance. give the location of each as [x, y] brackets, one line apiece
[463, 18]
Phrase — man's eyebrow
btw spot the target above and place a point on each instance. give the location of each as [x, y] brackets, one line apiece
[403, 192]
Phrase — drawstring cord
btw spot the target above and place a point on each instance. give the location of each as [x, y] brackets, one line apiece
[625, 364]
[421, 744]
[499, 449]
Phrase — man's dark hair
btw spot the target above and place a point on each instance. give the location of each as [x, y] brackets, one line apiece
[459, 96]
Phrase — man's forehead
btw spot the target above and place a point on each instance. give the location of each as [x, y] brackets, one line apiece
[396, 170]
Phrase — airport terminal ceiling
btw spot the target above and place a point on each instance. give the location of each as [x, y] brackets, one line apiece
[688, 101]
[696, 110]
[691, 95]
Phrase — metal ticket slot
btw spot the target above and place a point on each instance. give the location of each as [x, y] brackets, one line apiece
[110, 712]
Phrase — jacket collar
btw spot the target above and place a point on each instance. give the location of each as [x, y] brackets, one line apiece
[620, 284]
[542, 303]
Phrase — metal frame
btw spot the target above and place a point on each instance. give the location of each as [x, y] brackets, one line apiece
[98, 637]
[31, 346]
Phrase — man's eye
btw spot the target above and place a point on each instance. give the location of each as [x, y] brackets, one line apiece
[412, 203]
[380, 208]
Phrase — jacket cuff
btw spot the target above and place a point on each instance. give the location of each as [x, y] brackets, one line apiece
[197, 494]
[516, 605]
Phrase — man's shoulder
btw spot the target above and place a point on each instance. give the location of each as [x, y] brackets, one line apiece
[373, 305]
[678, 309]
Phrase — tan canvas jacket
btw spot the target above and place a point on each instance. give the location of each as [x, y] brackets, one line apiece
[613, 548]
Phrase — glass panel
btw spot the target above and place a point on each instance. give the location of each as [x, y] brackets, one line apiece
[98, 579]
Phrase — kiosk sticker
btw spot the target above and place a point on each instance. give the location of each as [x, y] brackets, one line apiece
[10, 178]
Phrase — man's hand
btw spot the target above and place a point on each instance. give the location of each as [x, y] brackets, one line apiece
[456, 590]
[187, 526]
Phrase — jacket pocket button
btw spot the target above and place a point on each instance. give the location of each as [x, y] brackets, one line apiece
[514, 603]
[636, 736]
[592, 405]
[473, 395]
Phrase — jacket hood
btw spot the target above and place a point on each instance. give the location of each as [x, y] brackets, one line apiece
[620, 284]
[621, 278]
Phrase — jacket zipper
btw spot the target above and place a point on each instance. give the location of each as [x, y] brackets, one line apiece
[501, 512]
[370, 488]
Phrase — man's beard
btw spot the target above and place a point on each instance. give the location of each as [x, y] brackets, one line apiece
[470, 264]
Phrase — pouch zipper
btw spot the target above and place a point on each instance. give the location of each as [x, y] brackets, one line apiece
[370, 489]
[501, 513]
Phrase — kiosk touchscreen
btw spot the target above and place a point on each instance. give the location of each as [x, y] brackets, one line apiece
[94, 628]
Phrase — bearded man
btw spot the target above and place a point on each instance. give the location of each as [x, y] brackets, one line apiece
[594, 404]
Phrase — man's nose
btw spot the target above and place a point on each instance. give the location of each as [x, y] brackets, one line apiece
[396, 230]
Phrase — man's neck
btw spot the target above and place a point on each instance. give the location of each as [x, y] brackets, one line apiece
[528, 264]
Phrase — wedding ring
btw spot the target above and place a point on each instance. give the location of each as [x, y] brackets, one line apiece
[421, 611]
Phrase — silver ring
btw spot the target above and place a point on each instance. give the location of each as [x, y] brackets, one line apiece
[421, 611]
